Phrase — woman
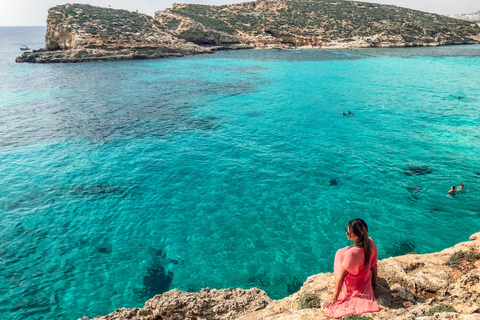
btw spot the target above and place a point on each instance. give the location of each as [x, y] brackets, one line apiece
[355, 271]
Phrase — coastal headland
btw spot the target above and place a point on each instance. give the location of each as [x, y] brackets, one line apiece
[80, 33]
[408, 287]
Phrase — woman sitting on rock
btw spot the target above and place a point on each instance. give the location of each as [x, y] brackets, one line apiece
[355, 270]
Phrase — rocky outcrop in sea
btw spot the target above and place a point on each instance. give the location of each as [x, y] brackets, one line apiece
[408, 287]
[79, 33]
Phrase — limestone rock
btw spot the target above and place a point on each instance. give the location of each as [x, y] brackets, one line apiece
[225, 304]
[407, 287]
[192, 31]
[334, 24]
[79, 33]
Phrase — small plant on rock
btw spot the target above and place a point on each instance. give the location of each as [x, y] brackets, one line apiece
[439, 309]
[462, 260]
[355, 317]
[310, 300]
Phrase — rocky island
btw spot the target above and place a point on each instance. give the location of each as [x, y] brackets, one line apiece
[443, 285]
[79, 33]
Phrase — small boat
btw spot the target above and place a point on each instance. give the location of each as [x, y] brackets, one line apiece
[24, 48]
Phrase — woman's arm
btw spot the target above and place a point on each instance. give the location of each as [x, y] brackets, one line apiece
[338, 287]
[374, 274]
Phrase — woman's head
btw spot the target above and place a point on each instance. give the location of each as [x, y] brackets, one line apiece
[358, 227]
[357, 231]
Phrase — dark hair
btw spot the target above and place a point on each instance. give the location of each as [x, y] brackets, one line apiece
[360, 229]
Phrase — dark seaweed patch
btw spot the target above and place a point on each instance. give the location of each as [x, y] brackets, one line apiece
[401, 248]
[435, 209]
[104, 249]
[415, 193]
[259, 280]
[205, 124]
[333, 182]
[417, 170]
[254, 113]
[294, 285]
[157, 280]
[95, 190]
[414, 188]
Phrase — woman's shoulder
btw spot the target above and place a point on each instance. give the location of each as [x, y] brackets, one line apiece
[342, 250]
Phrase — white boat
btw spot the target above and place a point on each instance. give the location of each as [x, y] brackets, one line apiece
[24, 48]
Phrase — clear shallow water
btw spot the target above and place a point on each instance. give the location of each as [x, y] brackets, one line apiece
[123, 180]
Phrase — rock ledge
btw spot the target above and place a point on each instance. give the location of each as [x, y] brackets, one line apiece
[408, 286]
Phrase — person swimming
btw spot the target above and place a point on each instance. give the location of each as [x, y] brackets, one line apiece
[461, 188]
[349, 113]
[451, 192]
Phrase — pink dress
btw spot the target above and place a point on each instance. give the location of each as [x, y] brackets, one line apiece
[357, 293]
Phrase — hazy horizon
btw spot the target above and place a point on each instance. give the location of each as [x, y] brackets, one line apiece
[34, 13]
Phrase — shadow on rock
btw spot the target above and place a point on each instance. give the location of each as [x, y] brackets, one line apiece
[396, 298]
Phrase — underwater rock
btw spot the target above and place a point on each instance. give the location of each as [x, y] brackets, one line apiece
[205, 124]
[104, 249]
[417, 170]
[414, 198]
[294, 285]
[333, 182]
[414, 188]
[259, 280]
[401, 248]
[435, 209]
[96, 189]
[414, 193]
[156, 281]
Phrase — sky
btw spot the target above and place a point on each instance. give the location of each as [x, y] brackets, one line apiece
[34, 12]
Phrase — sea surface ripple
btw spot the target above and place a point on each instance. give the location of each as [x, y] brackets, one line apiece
[122, 180]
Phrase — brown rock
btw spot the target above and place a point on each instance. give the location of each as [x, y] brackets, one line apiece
[408, 286]
[107, 34]
[192, 31]
[225, 304]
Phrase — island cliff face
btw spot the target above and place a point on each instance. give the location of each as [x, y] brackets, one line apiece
[77, 33]
[333, 23]
[407, 288]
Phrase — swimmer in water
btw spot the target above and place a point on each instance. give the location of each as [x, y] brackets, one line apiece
[344, 114]
[349, 113]
[459, 97]
[461, 188]
[451, 192]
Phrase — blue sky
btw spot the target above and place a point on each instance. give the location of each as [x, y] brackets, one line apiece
[34, 12]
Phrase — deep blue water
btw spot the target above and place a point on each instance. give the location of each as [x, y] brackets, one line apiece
[121, 180]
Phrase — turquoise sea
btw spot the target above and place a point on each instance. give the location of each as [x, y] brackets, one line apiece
[122, 180]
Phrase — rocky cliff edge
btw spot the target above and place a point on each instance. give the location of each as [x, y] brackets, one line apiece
[408, 287]
[79, 33]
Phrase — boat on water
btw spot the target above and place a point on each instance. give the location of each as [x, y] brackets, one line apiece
[24, 47]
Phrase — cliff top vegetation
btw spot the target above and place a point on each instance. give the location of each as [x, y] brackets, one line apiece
[327, 19]
[107, 22]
